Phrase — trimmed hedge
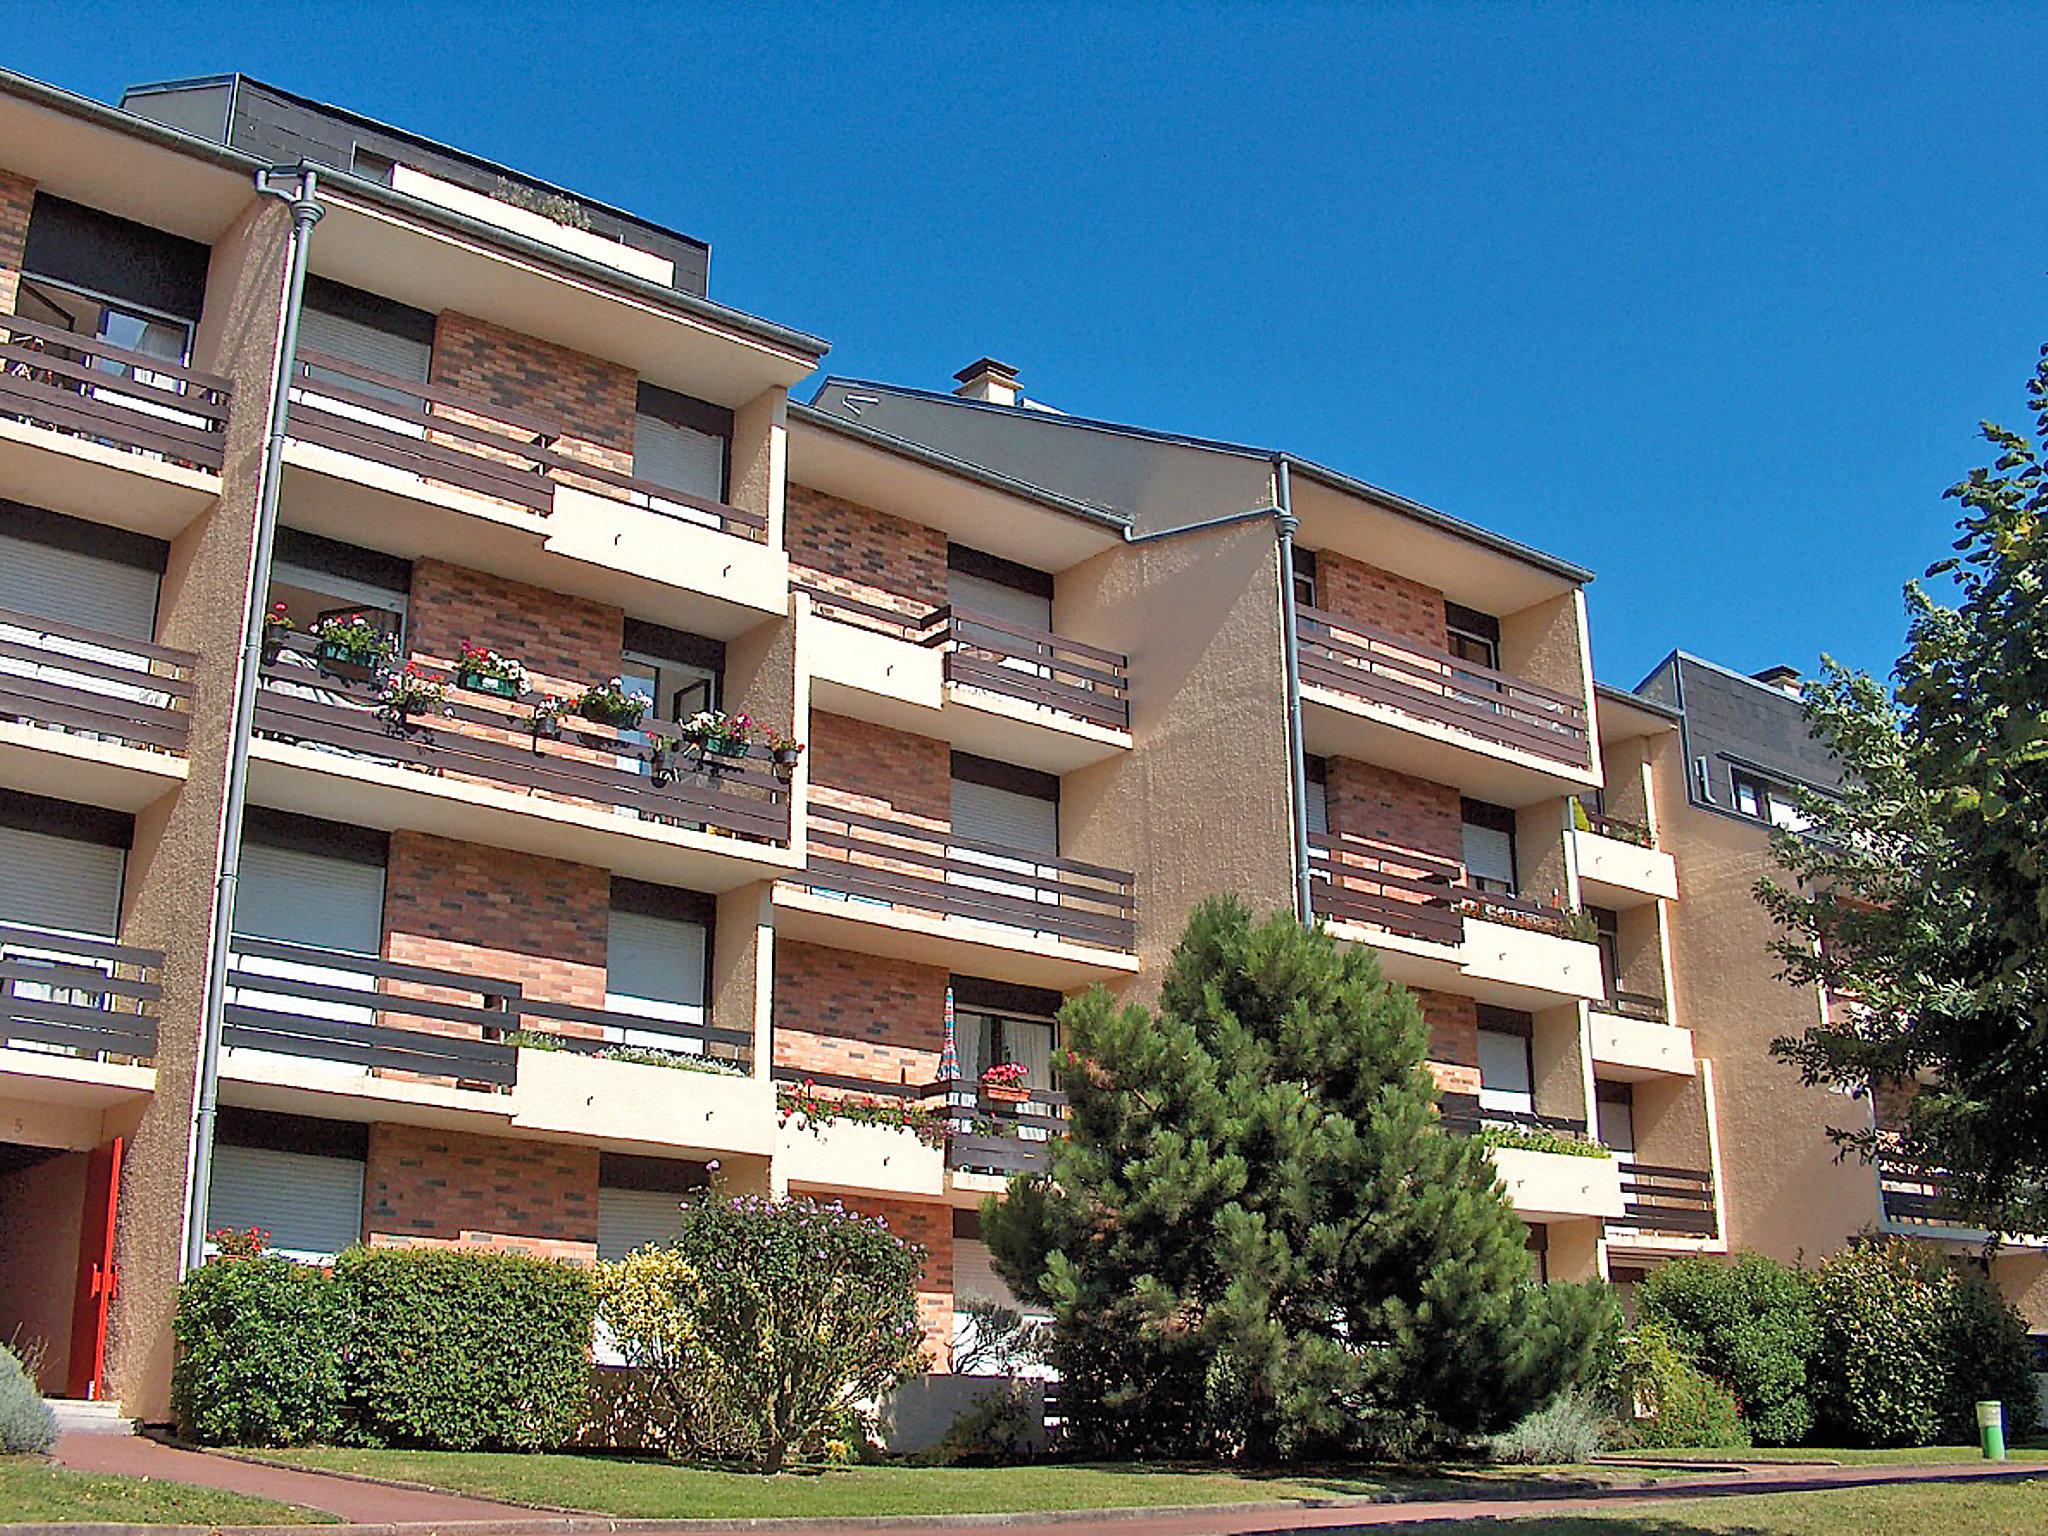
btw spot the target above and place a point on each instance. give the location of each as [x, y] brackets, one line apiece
[463, 1349]
[454, 1349]
[1749, 1324]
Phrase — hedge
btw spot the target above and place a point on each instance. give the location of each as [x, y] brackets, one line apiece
[1749, 1324]
[260, 1357]
[1683, 1405]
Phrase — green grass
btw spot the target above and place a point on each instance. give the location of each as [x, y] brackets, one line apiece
[1910, 1456]
[33, 1492]
[2005, 1509]
[652, 1489]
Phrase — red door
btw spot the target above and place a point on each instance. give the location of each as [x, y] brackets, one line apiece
[97, 1276]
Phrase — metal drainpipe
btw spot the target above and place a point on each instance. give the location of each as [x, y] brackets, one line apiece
[306, 211]
[1287, 523]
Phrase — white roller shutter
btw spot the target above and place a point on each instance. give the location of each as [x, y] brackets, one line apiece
[654, 967]
[1505, 1081]
[1003, 816]
[312, 1207]
[680, 458]
[1490, 857]
[60, 882]
[308, 898]
[977, 594]
[366, 345]
[974, 1274]
[1318, 806]
[628, 1219]
[75, 588]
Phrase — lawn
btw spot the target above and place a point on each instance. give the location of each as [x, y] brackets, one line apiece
[33, 1492]
[1911, 1456]
[2007, 1509]
[650, 1489]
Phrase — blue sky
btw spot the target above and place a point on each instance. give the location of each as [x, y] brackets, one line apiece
[1709, 299]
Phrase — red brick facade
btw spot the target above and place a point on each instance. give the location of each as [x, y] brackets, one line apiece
[563, 641]
[595, 400]
[864, 554]
[1453, 1030]
[17, 195]
[1351, 589]
[853, 1015]
[931, 1227]
[1365, 800]
[509, 916]
[872, 768]
[432, 1186]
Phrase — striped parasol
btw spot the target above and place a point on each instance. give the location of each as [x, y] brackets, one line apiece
[949, 1058]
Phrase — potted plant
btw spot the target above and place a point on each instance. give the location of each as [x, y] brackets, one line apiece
[547, 717]
[276, 625]
[1003, 1083]
[714, 733]
[613, 704]
[661, 757]
[783, 751]
[482, 670]
[409, 692]
[353, 648]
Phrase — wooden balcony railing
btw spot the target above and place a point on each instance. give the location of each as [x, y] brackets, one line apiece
[491, 741]
[91, 997]
[990, 1136]
[1521, 912]
[1620, 828]
[893, 861]
[83, 387]
[458, 440]
[1360, 880]
[64, 677]
[1379, 667]
[1461, 1113]
[1035, 666]
[305, 1000]
[1658, 1199]
[1643, 1006]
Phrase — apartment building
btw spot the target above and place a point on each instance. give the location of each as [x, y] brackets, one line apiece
[506, 972]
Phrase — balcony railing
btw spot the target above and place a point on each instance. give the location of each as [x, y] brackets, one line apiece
[1521, 912]
[80, 386]
[1659, 1199]
[358, 1010]
[1360, 880]
[64, 677]
[1379, 667]
[85, 996]
[1033, 666]
[1462, 1115]
[991, 1136]
[490, 741]
[454, 439]
[1620, 828]
[888, 860]
[1645, 1007]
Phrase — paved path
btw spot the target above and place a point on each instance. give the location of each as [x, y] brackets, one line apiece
[359, 1503]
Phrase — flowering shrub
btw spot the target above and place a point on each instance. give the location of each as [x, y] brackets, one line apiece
[245, 1243]
[764, 1326]
[613, 703]
[479, 661]
[1004, 1074]
[802, 1105]
[357, 638]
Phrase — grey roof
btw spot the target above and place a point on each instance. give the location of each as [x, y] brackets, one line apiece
[1730, 720]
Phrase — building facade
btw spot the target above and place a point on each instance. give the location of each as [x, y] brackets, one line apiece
[513, 968]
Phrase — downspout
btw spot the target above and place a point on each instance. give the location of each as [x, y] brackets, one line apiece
[1286, 524]
[305, 211]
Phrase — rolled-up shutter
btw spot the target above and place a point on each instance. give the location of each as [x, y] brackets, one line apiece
[311, 1206]
[628, 1219]
[73, 587]
[983, 813]
[679, 458]
[60, 882]
[369, 346]
[978, 594]
[299, 897]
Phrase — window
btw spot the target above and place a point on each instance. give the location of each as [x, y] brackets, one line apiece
[1305, 578]
[1539, 1250]
[1472, 636]
[113, 280]
[1011, 807]
[996, 1022]
[300, 1179]
[1759, 797]
[682, 444]
[1607, 937]
[65, 864]
[1317, 772]
[682, 673]
[367, 331]
[998, 588]
[1507, 1070]
[1489, 832]
[1616, 1103]
[639, 1200]
[658, 963]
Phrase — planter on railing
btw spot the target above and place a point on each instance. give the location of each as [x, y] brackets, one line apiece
[893, 860]
[85, 388]
[997, 1137]
[128, 691]
[457, 440]
[92, 997]
[1380, 885]
[1523, 912]
[476, 739]
[1377, 666]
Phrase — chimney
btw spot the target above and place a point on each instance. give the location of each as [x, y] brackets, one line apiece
[987, 379]
[1784, 679]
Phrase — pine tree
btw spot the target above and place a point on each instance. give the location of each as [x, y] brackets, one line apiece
[1257, 1241]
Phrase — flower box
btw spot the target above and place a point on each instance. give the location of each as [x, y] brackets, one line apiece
[347, 662]
[488, 683]
[1006, 1093]
[728, 746]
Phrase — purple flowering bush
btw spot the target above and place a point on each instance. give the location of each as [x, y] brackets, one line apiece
[764, 1325]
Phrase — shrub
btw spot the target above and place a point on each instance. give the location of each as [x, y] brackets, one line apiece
[1667, 1402]
[27, 1426]
[1987, 1355]
[764, 1324]
[999, 1339]
[461, 1349]
[1003, 1426]
[1751, 1326]
[1880, 1378]
[259, 1362]
[1573, 1426]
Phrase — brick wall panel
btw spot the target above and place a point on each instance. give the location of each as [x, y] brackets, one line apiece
[931, 1227]
[1365, 594]
[564, 642]
[854, 1015]
[872, 768]
[428, 1186]
[593, 400]
[1365, 800]
[863, 554]
[1453, 1028]
[17, 195]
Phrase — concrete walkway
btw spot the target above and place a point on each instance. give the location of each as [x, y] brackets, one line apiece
[360, 1503]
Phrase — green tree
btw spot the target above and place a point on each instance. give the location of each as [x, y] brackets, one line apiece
[1257, 1241]
[1920, 894]
[1749, 1324]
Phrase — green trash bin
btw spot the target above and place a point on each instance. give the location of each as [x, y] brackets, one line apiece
[1991, 1425]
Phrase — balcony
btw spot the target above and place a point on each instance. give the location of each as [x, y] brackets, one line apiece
[89, 716]
[887, 885]
[1523, 953]
[107, 434]
[1542, 1185]
[1632, 1037]
[589, 793]
[1395, 890]
[1019, 695]
[986, 1141]
[307, 1024]
[1371, 694]
[1618, 862]
[1664, 1203]
[1920, 1201]
[439, 473]
[990, 1141]
[74, 996]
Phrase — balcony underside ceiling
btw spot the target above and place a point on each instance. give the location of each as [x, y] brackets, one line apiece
[1337, 727]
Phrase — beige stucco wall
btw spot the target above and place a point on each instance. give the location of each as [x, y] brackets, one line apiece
[1785, 1191]
[169, 896]
[1558, 1052]
[743, 967]
[1200, 804]
[2023, 1280]
[1671, 1122]
[1539, 851]
[760, 452]
[1546, 643]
